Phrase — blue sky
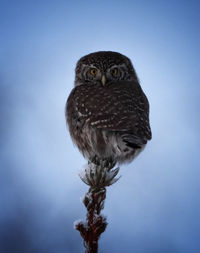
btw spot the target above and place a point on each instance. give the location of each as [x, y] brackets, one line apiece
[155, 205]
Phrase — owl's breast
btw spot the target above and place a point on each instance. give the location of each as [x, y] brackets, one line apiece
[99, 117]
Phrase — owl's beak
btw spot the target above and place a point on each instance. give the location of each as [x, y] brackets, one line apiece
[103, 80]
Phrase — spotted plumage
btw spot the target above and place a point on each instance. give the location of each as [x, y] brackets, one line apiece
[107, 111]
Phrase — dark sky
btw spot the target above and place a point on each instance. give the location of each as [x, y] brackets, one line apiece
[155, 206]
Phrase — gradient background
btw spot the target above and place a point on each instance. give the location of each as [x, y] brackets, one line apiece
[155, 206]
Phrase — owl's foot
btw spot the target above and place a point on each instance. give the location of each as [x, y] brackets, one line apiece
[106, 162]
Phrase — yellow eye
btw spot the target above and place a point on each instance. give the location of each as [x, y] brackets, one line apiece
[115, 71]
[93, 71]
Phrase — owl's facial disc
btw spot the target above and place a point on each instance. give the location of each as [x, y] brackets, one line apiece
[114, 66]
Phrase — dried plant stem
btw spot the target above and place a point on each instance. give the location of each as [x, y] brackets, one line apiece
[95, 223]
[98, 177]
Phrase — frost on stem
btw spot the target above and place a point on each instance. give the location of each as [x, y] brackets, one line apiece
[97, 176]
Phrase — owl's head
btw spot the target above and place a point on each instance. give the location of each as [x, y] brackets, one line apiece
[103, 68]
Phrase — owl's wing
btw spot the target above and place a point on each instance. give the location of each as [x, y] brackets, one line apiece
[119, 107]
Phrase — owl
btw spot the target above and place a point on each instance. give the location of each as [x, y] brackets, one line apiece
[107, 112]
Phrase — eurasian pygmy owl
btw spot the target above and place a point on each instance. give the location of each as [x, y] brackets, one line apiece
[107, 112]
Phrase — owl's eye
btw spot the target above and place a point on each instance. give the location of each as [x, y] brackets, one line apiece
[114, 71]
[93, 71]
